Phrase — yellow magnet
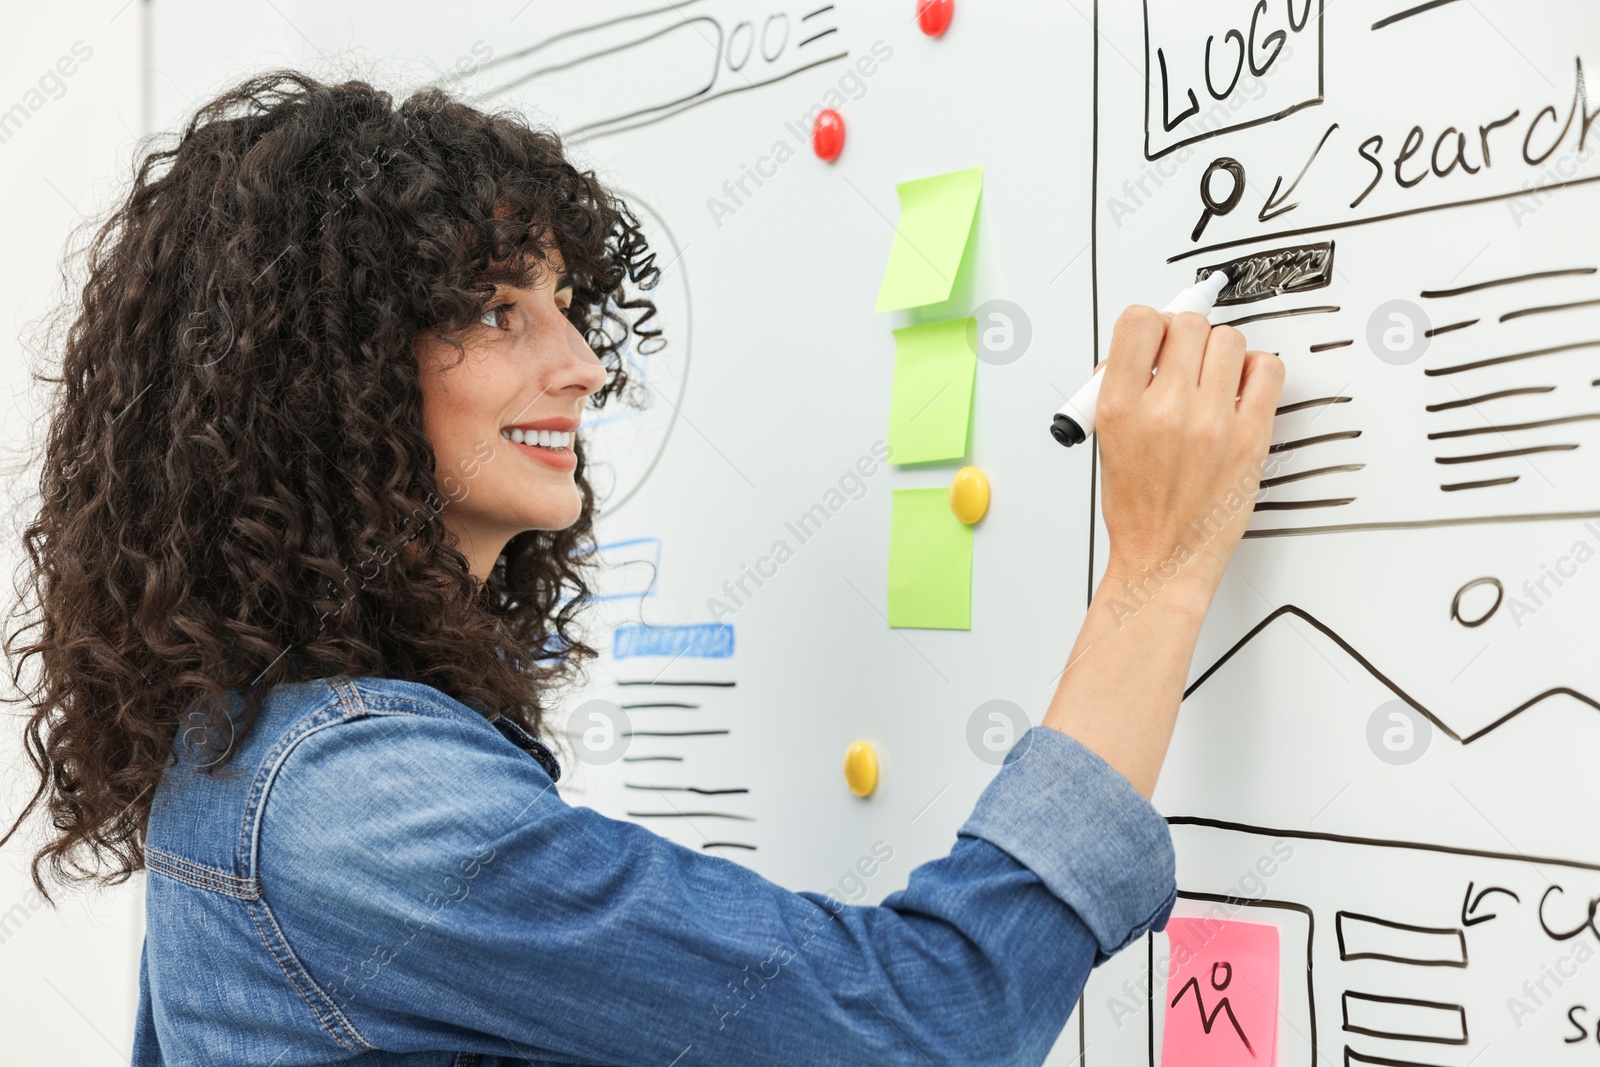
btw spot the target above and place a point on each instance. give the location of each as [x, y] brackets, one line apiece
[969, 494]
[861, 768]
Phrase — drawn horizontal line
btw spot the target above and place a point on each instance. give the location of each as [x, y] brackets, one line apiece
[689, 815]
[1422, 524]
[659, 704]
[1435, 372]
[1480, 456]
[1367, 937]
[1328, 346]
[1473, 431]
[671, 733]
[1457, 486]
[1430, 1022]
[1322, 309]
[1300, 476]
[1298, 505]
[1381, 842]
[816, 36]
[1521, 313]
[687, 789]
[1289, 446]
[1319, 402]
[728, 844]
[815, 13]
[1437, 330]
[1468, 401]
[648, 759]
[1419, 9]
[1514, 279]
[640, 681]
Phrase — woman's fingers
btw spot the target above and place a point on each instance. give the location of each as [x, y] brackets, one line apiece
[1260, 387]
[1182, 353]
[1135, 341]
[1221, 375]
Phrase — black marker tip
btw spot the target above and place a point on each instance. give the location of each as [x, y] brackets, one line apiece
[1068, 432]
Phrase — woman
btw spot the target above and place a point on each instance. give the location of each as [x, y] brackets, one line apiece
[305, 571]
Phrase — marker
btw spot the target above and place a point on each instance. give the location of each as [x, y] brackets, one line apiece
[1075, 421]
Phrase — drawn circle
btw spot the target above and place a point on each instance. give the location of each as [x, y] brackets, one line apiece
[1220, 986]
[1235, 170]
[1398, 733]
[625, 440]
[999, 332]
[749, 45]
[994, 729]
[599, 731]
[1455, 604]
[1397, 332]
[767, 52]
[1213, 206]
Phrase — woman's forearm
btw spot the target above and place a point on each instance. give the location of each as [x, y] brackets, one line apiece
[1181, 454]
[1120, 690]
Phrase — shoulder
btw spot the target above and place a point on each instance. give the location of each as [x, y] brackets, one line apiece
[379, 758]
[364, 724]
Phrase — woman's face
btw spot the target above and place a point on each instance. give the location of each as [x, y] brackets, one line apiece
[526, 373]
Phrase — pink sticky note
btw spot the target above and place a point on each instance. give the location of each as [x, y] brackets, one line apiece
[1222, 995]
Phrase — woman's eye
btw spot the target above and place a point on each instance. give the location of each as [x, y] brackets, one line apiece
[492, 316]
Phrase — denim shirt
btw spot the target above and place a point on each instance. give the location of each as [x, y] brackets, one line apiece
[382, 876]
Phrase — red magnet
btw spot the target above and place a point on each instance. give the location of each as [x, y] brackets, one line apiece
[827, 134]
[934, 16]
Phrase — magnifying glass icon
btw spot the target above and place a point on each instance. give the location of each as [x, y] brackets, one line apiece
[1236, 170]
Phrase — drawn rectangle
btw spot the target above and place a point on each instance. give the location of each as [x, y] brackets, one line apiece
[706, 640]
[1364, 937]
[1404, 1019]
[1290, 68]
[1277, 272]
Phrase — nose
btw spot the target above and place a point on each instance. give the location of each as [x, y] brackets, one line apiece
[583, 372]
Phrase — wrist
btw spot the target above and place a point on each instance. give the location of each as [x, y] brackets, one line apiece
[1185, 589]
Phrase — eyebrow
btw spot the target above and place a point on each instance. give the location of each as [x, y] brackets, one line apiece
[566, 280]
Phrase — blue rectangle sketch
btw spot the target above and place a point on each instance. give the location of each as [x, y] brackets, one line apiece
[706, 640]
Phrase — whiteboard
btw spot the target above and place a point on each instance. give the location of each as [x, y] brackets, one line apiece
[1370, 758]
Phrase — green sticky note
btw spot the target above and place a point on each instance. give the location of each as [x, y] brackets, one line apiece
[931, 403]
[930, 562]
[935, 221]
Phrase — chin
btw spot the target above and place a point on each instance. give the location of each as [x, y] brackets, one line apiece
[556, 515]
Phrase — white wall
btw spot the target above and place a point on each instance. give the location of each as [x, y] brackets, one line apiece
[66, 988]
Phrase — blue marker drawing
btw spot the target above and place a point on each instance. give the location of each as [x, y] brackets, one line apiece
[706, 640]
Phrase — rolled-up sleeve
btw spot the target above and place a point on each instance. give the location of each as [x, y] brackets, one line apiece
[441, 894]
[1094, 841]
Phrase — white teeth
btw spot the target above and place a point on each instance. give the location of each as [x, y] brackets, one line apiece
[554, 439]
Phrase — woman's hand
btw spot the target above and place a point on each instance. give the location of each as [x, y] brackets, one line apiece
[1181, 455]
[1182, 451]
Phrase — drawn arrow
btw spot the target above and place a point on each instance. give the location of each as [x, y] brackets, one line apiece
[1469, 904]
[1274, 200]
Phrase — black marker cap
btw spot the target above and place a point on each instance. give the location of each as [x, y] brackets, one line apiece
[1063, 429]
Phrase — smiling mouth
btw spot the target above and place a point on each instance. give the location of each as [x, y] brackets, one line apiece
[553, 440]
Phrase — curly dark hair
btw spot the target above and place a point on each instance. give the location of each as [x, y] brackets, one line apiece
[236, 490]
